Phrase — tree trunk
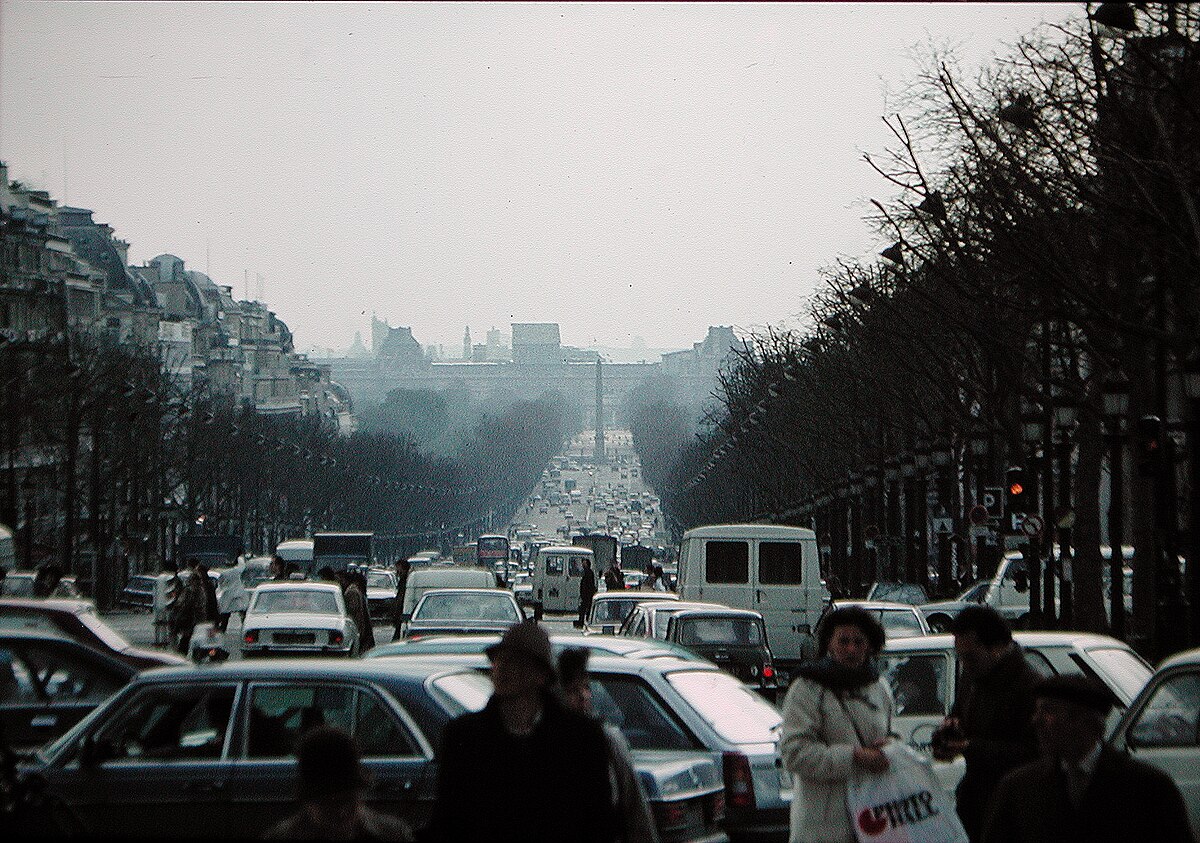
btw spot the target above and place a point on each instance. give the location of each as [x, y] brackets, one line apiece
[1087, 567]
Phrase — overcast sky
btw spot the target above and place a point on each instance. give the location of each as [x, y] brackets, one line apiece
[621, 169]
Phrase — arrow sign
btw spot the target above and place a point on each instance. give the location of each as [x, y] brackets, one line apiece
[1032, 526]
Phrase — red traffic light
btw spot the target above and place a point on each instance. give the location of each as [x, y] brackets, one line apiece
[1016, 489]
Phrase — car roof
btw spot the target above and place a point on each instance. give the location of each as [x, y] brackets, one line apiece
[1083, 640]
[433, 591]
[1186, 657]
[42, 635]
[297, 585]
[410, 667]
[723, 612]
[750, 531]
[626, 593]
[597, 662]
[49, 605]
[680, 605]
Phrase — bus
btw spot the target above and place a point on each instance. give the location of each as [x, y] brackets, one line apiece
[490, 550]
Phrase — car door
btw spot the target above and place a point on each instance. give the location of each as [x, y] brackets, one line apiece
[47, 686]
[156, 765]
[780, 572]
[277, 716]
[1162, 728]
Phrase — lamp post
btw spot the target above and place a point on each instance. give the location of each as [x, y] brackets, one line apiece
[1031, 434]
[921, 459]
[28, 490]
[978, 445]
[854, 488]
[1065, 421]
[908, 471]
[871, 531]
[1116, 407]
[891, 477]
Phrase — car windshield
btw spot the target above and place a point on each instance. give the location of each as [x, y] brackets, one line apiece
[306, 602]
[736, 714]
[729, 631]
[612, 611]
[1122, 668]
[899, 592]
[900, 623]
[381, 579]
[485, 607]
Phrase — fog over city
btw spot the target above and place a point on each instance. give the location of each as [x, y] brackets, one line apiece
[623, 170]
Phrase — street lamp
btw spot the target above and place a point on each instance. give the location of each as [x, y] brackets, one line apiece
[1032, 424]
[1116, 407]
[1065, 422]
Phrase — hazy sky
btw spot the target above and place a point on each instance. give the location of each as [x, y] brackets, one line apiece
[621, 169]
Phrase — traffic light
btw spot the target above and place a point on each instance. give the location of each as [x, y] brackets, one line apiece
[1016, 491]
[1148, 445]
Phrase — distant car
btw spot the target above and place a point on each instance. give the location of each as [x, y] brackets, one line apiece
[209, 751]
[78, 620]
[20, 584]
[298, 617]
[381, 592]
[611, 608]
[732, 639]
[522, 588]
[139, 592]
[649, 619]
[899, 620]
[898, 592]
[1162, 727]
[49, 682]
[939, 614]
[464, 611]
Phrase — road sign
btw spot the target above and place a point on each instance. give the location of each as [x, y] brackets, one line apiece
[942, 525]
[993, 498]
[1033, 525]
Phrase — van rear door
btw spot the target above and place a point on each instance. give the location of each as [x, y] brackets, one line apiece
[784, 574]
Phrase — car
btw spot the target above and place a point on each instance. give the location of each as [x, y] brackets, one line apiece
[421, 580]
[78, 620]
[611, 608]
[1162, 727]
[899, 620]
[49, 682]
[522, 588]
[20, 584]
[609, 645]
[939, 614]
[649, 619]
[733, 639]
[381, 592]
[139, 592]
[923, 673]
[464, 610]
[298, 617]
[898, 592]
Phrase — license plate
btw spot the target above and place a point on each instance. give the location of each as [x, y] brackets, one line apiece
[295, 638]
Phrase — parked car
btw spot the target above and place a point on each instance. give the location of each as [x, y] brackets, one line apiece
[381, 593]
[208, 751]
[49, 682]
[898, 592]
[939, 614]
[923, 672]
[139, 592]
[20, 584]
[464, 611]
[1162, 727]
[899, 620]
[298, 617]
[732, 639]
[611, 608]
[78, 620]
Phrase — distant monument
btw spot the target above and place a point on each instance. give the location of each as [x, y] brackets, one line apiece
[598, 451]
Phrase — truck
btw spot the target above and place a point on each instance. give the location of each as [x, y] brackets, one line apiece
[636, 557]
[464, 554]
[212, 551]
[604, 551]
[340, 551]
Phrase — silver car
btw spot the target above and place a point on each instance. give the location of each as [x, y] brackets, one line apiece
[298, 617]
[464, 611]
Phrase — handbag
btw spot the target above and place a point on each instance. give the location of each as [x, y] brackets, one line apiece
[904, 804]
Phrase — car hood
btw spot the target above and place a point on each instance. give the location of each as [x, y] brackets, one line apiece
[668, 775]
[293, 620]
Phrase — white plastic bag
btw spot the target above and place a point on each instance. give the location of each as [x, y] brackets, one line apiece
[905, 804]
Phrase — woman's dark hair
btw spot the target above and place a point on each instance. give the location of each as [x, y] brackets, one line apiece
[850, 616]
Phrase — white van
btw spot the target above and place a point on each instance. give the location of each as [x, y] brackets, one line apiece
[557, 570]
[769, 568]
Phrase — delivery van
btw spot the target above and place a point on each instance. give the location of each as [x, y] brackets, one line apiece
[557, 570]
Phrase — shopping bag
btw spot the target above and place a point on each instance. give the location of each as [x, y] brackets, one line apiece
[905, 804]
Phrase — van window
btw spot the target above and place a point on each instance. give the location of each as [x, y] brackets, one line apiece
[576, 568]
[554, 566]
[727, 562]
[779, 563]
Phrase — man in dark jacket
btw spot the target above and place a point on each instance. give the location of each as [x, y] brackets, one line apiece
[1082, 790]
[403, 568]
[525, 768]
[587, 590]
[991, 723]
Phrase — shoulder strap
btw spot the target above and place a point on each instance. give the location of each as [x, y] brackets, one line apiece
[850, 717]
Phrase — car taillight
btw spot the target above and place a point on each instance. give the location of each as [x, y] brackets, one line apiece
[335, 637]
[714, 807]
[768, 673]
[670, 815]
[251, 637]
[739, 781]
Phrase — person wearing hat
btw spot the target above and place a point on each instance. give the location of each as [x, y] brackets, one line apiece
[525, 742]
[1081, 789]
[332, 781]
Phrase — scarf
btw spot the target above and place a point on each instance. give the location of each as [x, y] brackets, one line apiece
[838, 678]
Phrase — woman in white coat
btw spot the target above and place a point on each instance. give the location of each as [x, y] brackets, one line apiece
[836, 716]
[231, 594]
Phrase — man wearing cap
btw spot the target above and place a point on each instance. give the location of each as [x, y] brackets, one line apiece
[1081, 789]
[332, 782]
[525, 767]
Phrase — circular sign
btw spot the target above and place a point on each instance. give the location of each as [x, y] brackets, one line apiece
[1032, 526]
[979, 514]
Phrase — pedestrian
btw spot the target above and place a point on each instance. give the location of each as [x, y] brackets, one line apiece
[991, 722]
[402, 570]
[211, 610]
[614, 580]
[629, 799]
[231, 595]
[190, 608]
[46, 580]
[330, 789]
[837, 716]
[587, 591]
[525, 768]
[656, 579]
[278, 568]
[356, 607]
[1082, 790]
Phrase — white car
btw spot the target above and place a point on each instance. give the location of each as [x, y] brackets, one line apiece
[298, 617]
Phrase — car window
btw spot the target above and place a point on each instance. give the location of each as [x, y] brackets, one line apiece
[281, 714]
[17, 683]
[576, 566]
[380, 734]
[66, 676]
[727, 562]
[1171, 717]
[490, 607]
[303, 602]
[900, 623]
[554, 566]
[1040, 664]
[636, 709]
[919, 683]
[779, 563]
[170, 723]
[612, 611]
[381, 579]
[731, 631]
[734, 713]
[1121, 668]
